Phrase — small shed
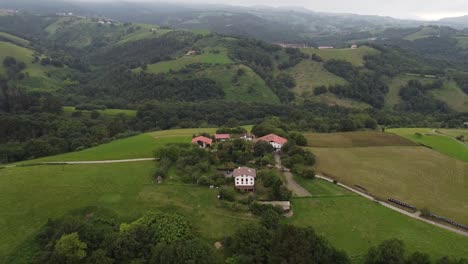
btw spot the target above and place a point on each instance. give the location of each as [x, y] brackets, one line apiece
[285, 205]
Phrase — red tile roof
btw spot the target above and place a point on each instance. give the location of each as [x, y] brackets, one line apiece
[222, 136]
[202, 139]
[244, 171]
[274, 138]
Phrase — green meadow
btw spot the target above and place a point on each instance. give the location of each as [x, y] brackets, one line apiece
[107, 112]
[141, 146]
[428, 137]
[354, 224]
[31, 195]
[177, 64]
[354, 56]
[14, 39]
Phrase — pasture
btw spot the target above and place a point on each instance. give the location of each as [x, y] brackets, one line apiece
[179, 63]
[14, 39]
[355, 139]
[107, 112]
[31, 195]
[441, 143]
[354, 224]
[414, 175]
[462, 42]
[425, 32]
[453, 96]
[395, 84]
[310, 75]
[141, 146]
[249, 87]
[354, 56]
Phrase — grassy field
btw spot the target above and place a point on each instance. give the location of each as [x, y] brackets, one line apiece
[429, 137]
[249, 88]
[175, 65]
[415, 175]
[37, 78]
[354, 224]
[355, 139]
[14, 39]
[310, 74]
[462, 42]
[31, 195]
[454, 132]
[141, 146]
[395, 84]
[108, 112]
[355, 56]
[425, 32]
[453, 96]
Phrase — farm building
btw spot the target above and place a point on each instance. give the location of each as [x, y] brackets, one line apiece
[244, 178]
[202, 141]
[248, 137]
[276, 141]
[354, 46]
[285, 205]
[191, 53]
[222, 137]
[326, 47]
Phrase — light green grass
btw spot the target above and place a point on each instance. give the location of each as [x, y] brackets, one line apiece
[355, 139]
[395, 84]
[141, 146]
[462, 42]
[14, 39]
[36, 78]
[335, 100]
[310, 74]
[453, 96]
[108, 112]
[440, 143]
[415, 175]
[31, 195]
[249, 88]
[425, 32]
[145, 32]
[354, 224]
[454, 133]
[354, 56]
[175, 65]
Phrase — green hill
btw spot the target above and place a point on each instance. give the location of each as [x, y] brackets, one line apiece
[16, 40]
[129, 190]
[453, 96]
[354, 56]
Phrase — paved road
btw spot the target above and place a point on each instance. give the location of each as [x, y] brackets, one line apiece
[412, 215]
[85, 162]
[291, 184]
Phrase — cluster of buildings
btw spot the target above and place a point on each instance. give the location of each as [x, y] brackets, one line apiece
[244, 177]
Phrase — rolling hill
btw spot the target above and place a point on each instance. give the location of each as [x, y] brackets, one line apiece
[128, 189]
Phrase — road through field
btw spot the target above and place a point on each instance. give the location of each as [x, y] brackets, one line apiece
[291, 184]
[412, 215]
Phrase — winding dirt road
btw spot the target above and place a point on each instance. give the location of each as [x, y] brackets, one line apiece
[291, 184]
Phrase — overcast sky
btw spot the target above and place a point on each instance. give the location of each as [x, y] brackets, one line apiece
[422, 9]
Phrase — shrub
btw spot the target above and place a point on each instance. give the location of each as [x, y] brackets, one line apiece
[308, 174]
[226, 194]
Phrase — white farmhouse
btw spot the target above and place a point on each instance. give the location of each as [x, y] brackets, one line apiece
[244, 178]
[276, 141]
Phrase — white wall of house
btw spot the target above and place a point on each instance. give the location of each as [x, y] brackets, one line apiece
[276, 145]
[244, 181]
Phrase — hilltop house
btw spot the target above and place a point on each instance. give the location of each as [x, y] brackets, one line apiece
[354, 46]
[275, 141]
[222, 137]
[244, 178]
[202, 141]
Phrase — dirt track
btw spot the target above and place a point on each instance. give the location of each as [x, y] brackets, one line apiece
[291, 184]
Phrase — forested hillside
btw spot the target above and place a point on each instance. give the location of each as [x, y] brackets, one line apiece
[192, 78]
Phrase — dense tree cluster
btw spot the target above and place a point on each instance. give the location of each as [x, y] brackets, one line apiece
[96, 238]
[363, 86]
[394, 251]
[416, 99]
